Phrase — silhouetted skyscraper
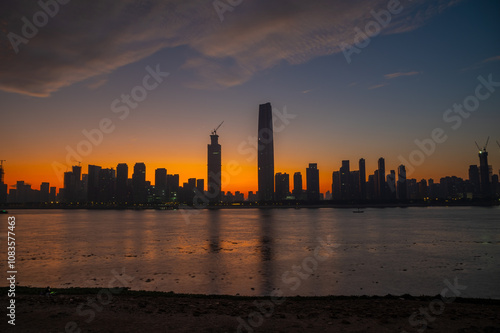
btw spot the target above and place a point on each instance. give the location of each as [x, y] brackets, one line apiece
[401, 185]
[107, 185]
[214, 179]
[381, 191]
[312, 178]
[362, 178]
[139, 183]
[484, 174]
[161, 182]
[3, 186]
[44, 192]
[200, 185]
[69, 187]
[121, 183]
[475, 179]
[297, 185]
[266, 153]
[93, 183]
[345, 184]
[282, 186]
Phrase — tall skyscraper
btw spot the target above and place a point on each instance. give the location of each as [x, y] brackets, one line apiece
[345, 184]
[214, 179]
[122, 195]
[484, 174]
[44, 192]
[312, 178]
[265, 146]
[282, 186]
[475, 179]
[107, 185]
[297, 185]
[362, 178]
[93, 183]
[401, 185]
[69, 187]
[3, 186]
[139, 183]
[381, 191]
[200, 185]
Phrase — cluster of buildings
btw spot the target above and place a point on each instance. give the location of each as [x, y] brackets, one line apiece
[105, 186]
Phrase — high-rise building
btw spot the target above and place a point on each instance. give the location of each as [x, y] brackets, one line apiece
[484, 174]
[297, 185]
[93, 183]
[52, 194]
[173, 187]
[336, 186]
[265, 153]
[214, 178]
[161, 183]
[282, 186]
[1, 173]
[312, 179]
[391, 186]
[107, 185]
[44, 192]
[3, 186]
[200, 185]
[69, 187]
[475, 179]
[362, 179]
[122, 192]
[345, 184]
[139, 190]
[401, 185]
[381, 191]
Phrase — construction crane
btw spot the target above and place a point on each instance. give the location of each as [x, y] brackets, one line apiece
[484, 148]
[214, 132]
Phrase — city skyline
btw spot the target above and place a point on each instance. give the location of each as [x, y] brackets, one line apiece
[107, 185]
[422, 85]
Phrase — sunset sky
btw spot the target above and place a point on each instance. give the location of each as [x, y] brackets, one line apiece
[342, 103]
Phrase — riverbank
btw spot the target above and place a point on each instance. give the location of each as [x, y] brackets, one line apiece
[104, 310]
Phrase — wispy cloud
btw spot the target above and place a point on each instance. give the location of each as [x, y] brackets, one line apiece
[378, 86]
[497, 58]
[398, 74]
[84, 41]
[481, 63]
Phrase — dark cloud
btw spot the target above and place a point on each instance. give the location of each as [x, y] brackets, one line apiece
[91, 39]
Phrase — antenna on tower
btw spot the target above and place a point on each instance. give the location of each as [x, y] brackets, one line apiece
[214, 132]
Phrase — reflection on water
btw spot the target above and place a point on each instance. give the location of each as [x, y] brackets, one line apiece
[248, 251]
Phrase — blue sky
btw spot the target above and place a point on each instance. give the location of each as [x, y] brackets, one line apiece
[395, 91]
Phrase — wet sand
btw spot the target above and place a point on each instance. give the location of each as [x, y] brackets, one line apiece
[99, 310]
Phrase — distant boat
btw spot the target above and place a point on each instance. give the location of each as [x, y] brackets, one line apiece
[358, 211]
[4, 211]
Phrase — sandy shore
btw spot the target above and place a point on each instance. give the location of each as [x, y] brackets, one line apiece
[95, 310]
